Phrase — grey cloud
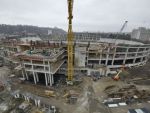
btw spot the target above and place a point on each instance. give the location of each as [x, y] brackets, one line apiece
[89, 15]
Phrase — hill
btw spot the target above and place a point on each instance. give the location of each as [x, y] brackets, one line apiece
[20, 29]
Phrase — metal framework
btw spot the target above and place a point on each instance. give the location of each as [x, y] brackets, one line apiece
[70, 42]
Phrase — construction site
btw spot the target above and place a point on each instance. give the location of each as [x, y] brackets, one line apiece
[74, 73]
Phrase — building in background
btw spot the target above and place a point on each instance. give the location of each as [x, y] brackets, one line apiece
[141, 34]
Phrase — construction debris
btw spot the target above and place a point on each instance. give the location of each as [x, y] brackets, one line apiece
[128, 94]
[71, 96]
[1, 86]
[49, 93]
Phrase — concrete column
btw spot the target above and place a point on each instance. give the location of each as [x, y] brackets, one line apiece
[141, 59]
[38, 103]
[17, 96]
[28, 99]
[26, 75]
[134, 60]
[100, 58]
[100, 71]
[46, 79]
[88, 72]
[124, 61]
[106, 73]
[23, 74]
[114, 56]
[34, 78]
[25, 97]
[108, 50]
[37, 77]
[50, 79]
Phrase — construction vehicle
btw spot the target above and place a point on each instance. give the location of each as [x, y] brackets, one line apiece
[124, 25]
[122, 28]
[70, 68]
[117, 77]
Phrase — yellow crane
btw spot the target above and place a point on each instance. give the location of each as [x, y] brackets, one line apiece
[70, 68]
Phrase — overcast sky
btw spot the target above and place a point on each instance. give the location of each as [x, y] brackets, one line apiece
[89, 15]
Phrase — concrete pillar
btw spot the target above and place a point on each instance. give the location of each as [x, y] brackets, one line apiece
[106, 73]
[114, 54]
[26, 75]
[107, 55]
[50, 79]
[88, 72]
[23, 74]
[46, 79]
[103, 72]
[100, 71]
[54, 109]
[18, 95]
[100, 59]
[126, 55]
[34, 78]
[38, 103]
[37, 77]
[28, 99]
[25, 97]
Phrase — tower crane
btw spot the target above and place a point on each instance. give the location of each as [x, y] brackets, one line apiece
[70, 68]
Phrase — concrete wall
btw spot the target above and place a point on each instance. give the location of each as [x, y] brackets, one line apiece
[80, 56]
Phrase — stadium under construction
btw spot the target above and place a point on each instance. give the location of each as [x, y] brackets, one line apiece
[46, 60]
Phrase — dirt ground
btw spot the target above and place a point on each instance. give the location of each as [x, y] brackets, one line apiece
[140, 72]
[90, 99]
[91, 94]
[4, 73]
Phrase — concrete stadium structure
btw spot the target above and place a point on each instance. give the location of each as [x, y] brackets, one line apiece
[93, 54]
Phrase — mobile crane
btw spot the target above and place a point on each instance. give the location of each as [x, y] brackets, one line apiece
[117, 77]
[122, 28]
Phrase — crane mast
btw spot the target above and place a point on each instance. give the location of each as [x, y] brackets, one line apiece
[70, 68]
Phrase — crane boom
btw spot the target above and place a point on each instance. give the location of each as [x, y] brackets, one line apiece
[123, 26]
[70, 68]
